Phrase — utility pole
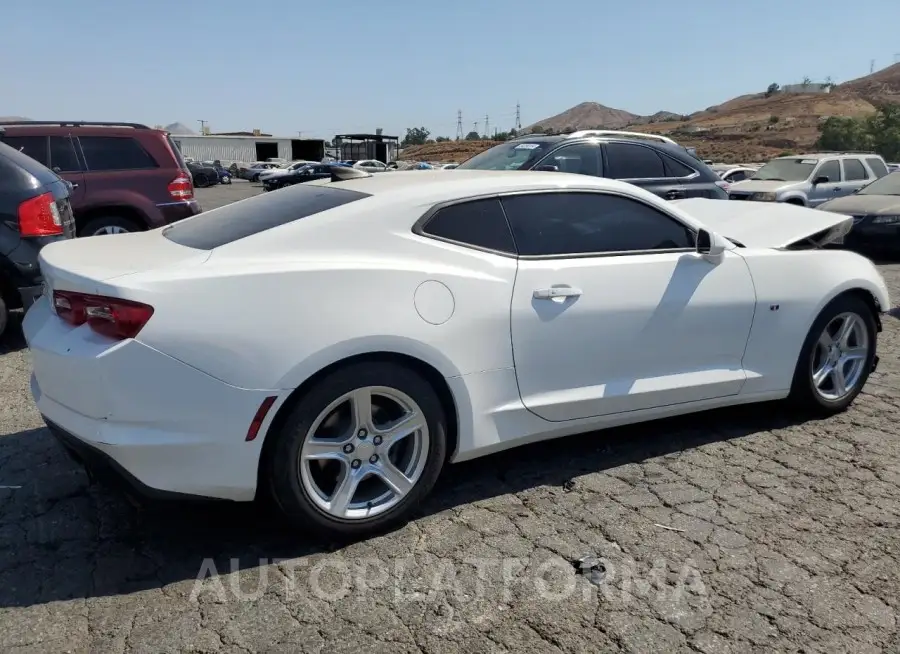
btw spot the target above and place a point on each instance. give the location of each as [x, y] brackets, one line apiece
[518, 117]
[487, 126]
[202, 126]
[459, 129]
[871, 66]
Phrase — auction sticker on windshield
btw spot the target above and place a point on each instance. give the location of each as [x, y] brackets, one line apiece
[809, 161]
[527, 146]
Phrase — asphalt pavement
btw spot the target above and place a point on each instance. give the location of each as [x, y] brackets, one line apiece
[736, 531]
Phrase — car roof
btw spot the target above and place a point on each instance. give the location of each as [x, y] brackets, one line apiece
[830, 155]
[432, 186]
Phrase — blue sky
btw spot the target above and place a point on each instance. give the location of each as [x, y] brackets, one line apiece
[288, 66]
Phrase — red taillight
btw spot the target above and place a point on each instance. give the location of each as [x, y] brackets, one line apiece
[260, 417]
[723, 185]
[109, 316]
[182, 188]
[40, 217]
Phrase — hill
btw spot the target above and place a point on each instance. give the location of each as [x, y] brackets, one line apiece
[750, 127]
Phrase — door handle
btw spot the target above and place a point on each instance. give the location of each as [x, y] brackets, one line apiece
[674, 195]
[836, 189]
[556, 292]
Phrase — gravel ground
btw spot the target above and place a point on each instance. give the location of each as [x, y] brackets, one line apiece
[734, 531]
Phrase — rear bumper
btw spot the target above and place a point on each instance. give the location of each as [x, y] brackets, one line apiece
[172, 212]
[30, 295]
[170, 427]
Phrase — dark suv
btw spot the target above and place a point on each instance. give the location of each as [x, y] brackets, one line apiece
[34, 211]
[653, 162]
[126, 177]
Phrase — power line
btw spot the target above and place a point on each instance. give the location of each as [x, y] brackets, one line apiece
[459, 128]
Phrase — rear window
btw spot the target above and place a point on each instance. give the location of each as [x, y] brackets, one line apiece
[103, 153]
[233, 222]
[12, 157]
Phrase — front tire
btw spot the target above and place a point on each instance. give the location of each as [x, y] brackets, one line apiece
[837, 356]
[359, 451]
[4, 316]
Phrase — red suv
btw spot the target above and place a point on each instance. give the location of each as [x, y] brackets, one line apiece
[126, 177]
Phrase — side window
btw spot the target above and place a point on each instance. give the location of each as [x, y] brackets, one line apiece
[581, 223]
[675, 168]
[114, 153]
[582, 159]
[628, 161]
[33, 146]
[737, 176]
[831, 170]
[62, 155]
[877, 166]
[854, 171]
[480, 223]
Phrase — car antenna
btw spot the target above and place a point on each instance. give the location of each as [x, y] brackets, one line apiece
[343, 173]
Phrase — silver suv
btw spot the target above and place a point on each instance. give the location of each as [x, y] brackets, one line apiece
[810, 179]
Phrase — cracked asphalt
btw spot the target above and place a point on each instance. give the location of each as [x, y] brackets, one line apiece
[737, 531]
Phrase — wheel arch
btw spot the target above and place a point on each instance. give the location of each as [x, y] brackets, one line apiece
[114, 210]
[425, 369]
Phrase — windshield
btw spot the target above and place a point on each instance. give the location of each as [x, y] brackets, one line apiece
[508, 156]
[786, 170]
[887, 185]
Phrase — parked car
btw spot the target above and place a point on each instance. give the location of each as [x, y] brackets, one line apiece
[253, 172]
[34, 210]
[876, 214]
[656, 163]
[371, 166]
[893, 167]
[734, 174]
[308, 173]
[449, 166]
[810, 179]
[278, 172]
[223, 172]
[202, 175]
[410, 321]
[126, 177]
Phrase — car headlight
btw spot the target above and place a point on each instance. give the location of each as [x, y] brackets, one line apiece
[886, 220]
[766, 196]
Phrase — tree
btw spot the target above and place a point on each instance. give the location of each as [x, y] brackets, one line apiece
[537, 129]
[805, 83]
[513, 133]
[473, 136]
[415, 136]
[501, 136]
[843, 134]
[773, 119]
[772, 90]
[884, 132]
[442, 139]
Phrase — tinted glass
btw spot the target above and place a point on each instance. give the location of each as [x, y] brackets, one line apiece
[583, 159]
[114, 153]
[831, 170]
[887, 185]
[736, 177]
[877, 166]
[578, 223]
[514, 155]
[480, 223]
[627, 161]
[677, 169]
[62, 154]
[854, 171]
[786, 170]
[32, 146]
[235, 221]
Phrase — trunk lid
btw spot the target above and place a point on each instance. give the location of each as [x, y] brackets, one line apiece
[767, 224]
[86, 264]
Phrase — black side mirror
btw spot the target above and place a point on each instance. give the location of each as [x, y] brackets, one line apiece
[704, 242]
[821, 179]
[548, 168]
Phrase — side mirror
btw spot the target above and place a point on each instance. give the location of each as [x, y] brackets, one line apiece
[548, 168]
[710, 244]
[821, 179]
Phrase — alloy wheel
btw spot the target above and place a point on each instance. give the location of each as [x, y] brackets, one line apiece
[840, 356]
[364, 453]
[110, 229]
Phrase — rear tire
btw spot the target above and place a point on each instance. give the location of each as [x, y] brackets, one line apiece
[4, 316]
[834, 365]
[201, 180]
[323, 449]
[109, 225]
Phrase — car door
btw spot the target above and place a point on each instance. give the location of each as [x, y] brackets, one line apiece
[642, 166]
[829, 190]
[613, 310]
[855, 177]
[66, 163]
[578, 158]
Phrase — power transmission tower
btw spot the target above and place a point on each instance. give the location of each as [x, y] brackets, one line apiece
[487, 126]
[871, 66]
[202, 126]
[475, 126]
[459, 129]
[518, 117]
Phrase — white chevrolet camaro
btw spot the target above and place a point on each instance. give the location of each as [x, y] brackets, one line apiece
[338, 343]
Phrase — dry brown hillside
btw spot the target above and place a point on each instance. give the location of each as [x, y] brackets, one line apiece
[750, 127]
